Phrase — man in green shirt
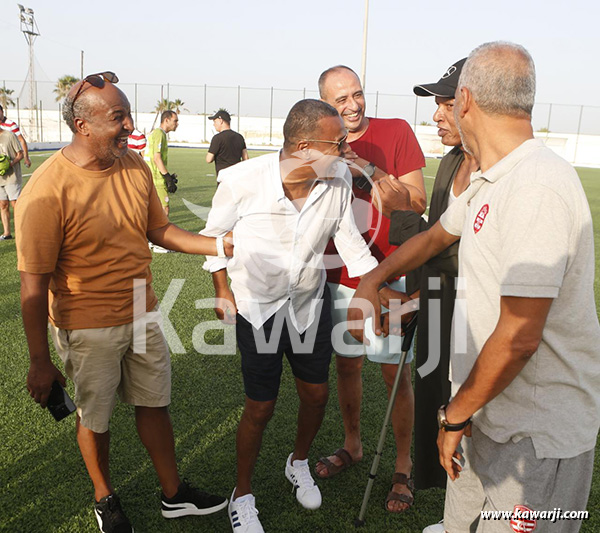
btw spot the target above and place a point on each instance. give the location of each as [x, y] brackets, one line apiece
[157, 155]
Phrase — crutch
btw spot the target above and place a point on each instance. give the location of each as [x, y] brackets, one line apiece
[409, 332]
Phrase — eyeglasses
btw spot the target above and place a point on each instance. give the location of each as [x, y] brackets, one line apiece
[96, 80]
[339, 143]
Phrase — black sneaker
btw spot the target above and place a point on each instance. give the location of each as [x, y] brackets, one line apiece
[191, 501]
[110, 516]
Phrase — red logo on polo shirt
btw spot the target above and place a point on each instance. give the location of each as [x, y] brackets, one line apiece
[480, 218]
[522, 520]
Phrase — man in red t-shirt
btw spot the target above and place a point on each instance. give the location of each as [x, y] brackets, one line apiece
[387, 151]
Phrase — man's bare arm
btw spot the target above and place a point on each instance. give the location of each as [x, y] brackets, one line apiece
[210, 157]
[244, 154]
[159, 163]
[415, 184]
[225, 307]
[34, 310]
[412, 254]
[25, 150]
[389, 195]
[17, 158]
[514, 340]
[180, 240]
[413, 181]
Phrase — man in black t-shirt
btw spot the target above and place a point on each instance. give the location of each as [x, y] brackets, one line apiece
[227, 147]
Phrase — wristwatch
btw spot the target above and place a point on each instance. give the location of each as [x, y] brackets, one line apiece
[447, 426]
[369, 169]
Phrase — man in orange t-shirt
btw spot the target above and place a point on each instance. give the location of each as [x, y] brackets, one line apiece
[83, 222]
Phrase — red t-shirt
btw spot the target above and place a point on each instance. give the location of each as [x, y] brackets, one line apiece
[390, 145]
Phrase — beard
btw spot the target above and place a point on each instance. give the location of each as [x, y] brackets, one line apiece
[112, 151]
[463, 140]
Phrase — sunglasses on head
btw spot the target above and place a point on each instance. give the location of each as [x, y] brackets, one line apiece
[96, 80]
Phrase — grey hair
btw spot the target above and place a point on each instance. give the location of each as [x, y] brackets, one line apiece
[303, 120]
[501, 78]
[80, 109]
[325, 74]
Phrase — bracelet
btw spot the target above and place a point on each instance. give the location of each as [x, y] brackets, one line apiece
[220, 247]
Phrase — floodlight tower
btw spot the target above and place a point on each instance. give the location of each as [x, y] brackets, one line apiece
[31, 31]
[363, 70]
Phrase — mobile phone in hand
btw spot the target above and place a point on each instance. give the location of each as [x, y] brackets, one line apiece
[59, 403]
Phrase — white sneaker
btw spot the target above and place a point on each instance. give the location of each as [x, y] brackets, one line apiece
[435, 528]
[244, 515]
[307, 493]
[160, 250]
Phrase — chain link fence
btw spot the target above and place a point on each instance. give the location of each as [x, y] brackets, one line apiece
[258, 113]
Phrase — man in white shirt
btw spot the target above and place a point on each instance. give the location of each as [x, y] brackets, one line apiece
[525, 371]
[283, 209]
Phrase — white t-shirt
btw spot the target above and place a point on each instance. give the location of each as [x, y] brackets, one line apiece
[526, 231]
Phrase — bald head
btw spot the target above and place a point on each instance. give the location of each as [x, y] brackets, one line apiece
[328, 75]
[82, 104]
[501, 79]
[340, 87]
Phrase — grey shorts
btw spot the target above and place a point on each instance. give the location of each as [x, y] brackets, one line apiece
[101, 362]
[501, 477]
[10, 191]
[345, 345]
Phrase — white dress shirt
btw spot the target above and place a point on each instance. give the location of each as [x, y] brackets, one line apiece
[278, 250]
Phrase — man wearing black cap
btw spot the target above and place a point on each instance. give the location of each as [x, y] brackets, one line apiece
[227, 147]
[432, 386]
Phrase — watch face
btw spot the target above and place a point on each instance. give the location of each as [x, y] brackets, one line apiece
[441, 417]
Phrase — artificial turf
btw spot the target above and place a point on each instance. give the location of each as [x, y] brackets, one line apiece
[43, 483]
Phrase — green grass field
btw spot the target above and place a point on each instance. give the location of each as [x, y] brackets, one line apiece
[43, 483]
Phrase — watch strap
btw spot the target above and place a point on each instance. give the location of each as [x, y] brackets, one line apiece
[447, 426]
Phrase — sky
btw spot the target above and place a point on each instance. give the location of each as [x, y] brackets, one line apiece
[287, 44]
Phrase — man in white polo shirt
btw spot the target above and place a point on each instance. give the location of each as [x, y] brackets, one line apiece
[525, 370]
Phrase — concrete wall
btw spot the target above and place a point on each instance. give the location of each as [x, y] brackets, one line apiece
[582, 150]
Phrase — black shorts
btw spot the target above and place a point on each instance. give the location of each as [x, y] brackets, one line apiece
[262, 365]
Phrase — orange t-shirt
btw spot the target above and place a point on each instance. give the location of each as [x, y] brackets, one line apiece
[88, 228]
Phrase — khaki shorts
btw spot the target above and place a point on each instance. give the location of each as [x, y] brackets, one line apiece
[101, 362]
[10, 191]
[161, 190]
[344, 344]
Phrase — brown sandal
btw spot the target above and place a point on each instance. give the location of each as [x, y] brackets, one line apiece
[332, 468]
[400, 479]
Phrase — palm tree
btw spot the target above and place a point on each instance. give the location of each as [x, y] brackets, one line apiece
[164, 105]
[5, 97]
[177, 105]
[63, 86]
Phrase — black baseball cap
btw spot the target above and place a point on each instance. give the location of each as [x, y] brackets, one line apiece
[446, 86]
[221, 113]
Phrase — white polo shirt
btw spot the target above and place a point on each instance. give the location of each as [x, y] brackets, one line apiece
[526, 231]
[278, 250]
